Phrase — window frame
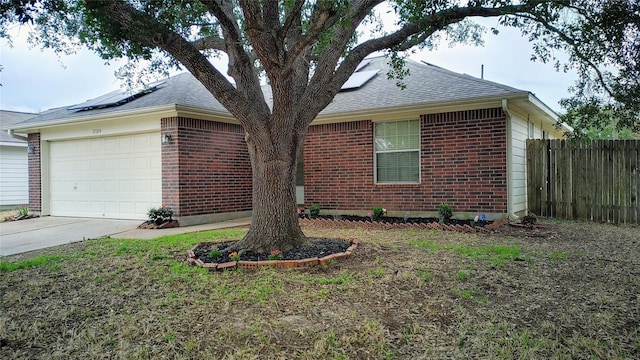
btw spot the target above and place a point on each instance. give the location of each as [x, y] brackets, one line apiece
[418, 150]
[531, 130]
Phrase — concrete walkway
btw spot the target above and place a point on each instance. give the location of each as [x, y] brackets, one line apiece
[39, 233]
[155, 233]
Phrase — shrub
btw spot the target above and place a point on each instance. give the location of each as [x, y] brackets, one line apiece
[23, 211]
[445, 211]
[160, 215]
[378, 211]
[215, 253]
[314, 210]
[275, 255]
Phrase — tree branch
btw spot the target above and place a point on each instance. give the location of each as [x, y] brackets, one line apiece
[575, 45]
[293, 16]
[323, 18]
[210, 43]
[327, 81]
[263, 39]
[241, 63]
[143, 28]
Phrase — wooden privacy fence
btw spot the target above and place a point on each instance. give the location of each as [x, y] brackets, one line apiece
[596, 180]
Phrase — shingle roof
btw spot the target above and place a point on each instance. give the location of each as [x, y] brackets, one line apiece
[10, 118]
[182, 89]
[425, 84]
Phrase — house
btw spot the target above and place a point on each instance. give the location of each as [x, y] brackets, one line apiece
[14, 179]
[446, 137]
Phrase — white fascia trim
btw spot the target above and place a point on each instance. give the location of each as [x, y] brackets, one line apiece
[547, 110]
[14, 144]
[169, 109]
[379, 114]
[205, 114]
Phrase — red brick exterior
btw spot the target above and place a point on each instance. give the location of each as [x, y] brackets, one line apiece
[205, 167]
[463, 163]
[35, 175]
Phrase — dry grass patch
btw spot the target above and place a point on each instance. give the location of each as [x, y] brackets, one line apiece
[5, 213]
[570, 292]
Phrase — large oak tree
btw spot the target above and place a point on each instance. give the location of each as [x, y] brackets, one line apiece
[306, 50]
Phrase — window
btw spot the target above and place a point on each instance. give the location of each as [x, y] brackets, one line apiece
[545, 134]
[531, 130]
[397, 152]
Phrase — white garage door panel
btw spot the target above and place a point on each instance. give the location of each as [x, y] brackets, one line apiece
[116, 177]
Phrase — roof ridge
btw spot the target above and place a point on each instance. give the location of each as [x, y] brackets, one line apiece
[20, 112]
[468, 77]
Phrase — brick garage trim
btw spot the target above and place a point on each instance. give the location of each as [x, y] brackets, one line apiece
[205, 167]
[463, 163]
[34, 160]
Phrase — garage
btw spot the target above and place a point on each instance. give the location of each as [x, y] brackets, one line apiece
[118, 177]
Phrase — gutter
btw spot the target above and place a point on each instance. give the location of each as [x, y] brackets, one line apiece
[512, 216]
[16, 136]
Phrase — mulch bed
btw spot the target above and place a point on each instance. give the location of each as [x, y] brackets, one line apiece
[317, 251]
[338, 222]
[401, 220]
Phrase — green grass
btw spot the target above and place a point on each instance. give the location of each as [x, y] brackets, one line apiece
[47, 261]
[156, 247]
[497, 255]
[471, 294]
[138, 299]
[425, 274]
[430, 245]
[378, 272]
[560, 255]
[461, 275]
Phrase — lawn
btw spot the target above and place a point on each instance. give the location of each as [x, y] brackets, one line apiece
[567, 291]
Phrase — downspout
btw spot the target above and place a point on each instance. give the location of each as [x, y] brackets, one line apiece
[16, 136]
[510, 212]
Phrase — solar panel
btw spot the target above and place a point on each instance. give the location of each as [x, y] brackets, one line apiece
[362, 64]
[358, 79]
[115, 98]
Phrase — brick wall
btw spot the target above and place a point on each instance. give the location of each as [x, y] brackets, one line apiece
[35, 175]
[463, 163]
[205, 167]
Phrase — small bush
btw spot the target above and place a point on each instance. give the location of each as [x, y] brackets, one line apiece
[314, 211]
[160, 215]
[377, 213]
[23, 211]
[445, 211]
[215, 253]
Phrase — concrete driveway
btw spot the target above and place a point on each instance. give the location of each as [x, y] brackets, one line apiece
[38, 233]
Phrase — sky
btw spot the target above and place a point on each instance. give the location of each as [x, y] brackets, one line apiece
[35, 80]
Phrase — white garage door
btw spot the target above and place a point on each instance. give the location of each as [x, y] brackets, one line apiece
[113, 177]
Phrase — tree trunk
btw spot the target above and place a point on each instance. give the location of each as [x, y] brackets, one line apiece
[274, 223]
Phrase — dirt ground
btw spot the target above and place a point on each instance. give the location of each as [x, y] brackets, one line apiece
[565, 290]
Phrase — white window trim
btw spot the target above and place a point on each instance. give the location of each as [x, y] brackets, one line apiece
[375, 157]
[531, 130]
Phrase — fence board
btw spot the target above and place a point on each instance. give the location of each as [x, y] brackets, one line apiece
[597, 180]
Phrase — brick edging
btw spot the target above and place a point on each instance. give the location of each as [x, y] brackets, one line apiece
[191, 259]
[340, 224]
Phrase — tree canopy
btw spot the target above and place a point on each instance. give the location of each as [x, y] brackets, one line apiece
[307, 49]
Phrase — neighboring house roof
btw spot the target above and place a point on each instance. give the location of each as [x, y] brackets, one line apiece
[426, 85]
[7, 120]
